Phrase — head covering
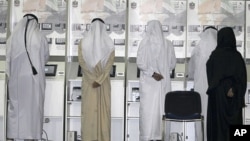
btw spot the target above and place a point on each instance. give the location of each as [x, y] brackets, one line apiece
[207, 43]
[97, 45]
[153, 39]
[19, 34]
[24, 37]
[97, 19]
[226, 38]
[210, 27]
[155, 46]
[30, 17]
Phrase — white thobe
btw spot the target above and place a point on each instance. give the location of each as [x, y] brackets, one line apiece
[26, 91]
[152, 92]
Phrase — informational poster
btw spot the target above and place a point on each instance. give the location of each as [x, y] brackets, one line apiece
[247, 29]
[3, 26]
[52, 17]
[171, 14]
[221, 13]
[113, 12]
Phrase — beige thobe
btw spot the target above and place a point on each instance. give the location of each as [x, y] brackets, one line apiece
[96, 102]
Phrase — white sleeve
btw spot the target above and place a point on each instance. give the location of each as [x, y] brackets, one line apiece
[141, 61]
[8, 57]
[46, 49]
[191, 63]
[172, 58]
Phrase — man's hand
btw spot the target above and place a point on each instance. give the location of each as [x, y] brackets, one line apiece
[230, 93]
[95, 85]
[157, 76]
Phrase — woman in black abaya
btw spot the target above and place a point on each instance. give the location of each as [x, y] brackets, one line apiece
[227, 78]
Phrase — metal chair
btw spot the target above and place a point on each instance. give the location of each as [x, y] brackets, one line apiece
[183, 120]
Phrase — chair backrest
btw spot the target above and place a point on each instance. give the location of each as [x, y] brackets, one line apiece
[183, 104]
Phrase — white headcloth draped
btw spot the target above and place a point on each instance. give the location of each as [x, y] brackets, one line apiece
[154, 42]
[97, 45]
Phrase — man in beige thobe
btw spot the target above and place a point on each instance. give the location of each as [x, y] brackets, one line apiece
[96, 57]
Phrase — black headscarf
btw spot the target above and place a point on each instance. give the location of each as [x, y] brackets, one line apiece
[226, 38]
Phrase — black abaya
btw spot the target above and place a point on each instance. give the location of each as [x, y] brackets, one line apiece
[225, 69]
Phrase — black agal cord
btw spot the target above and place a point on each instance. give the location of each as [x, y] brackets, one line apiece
[32, 67]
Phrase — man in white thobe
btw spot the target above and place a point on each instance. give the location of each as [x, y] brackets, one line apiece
[27, 54]
[197, 67]
[155, 59]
